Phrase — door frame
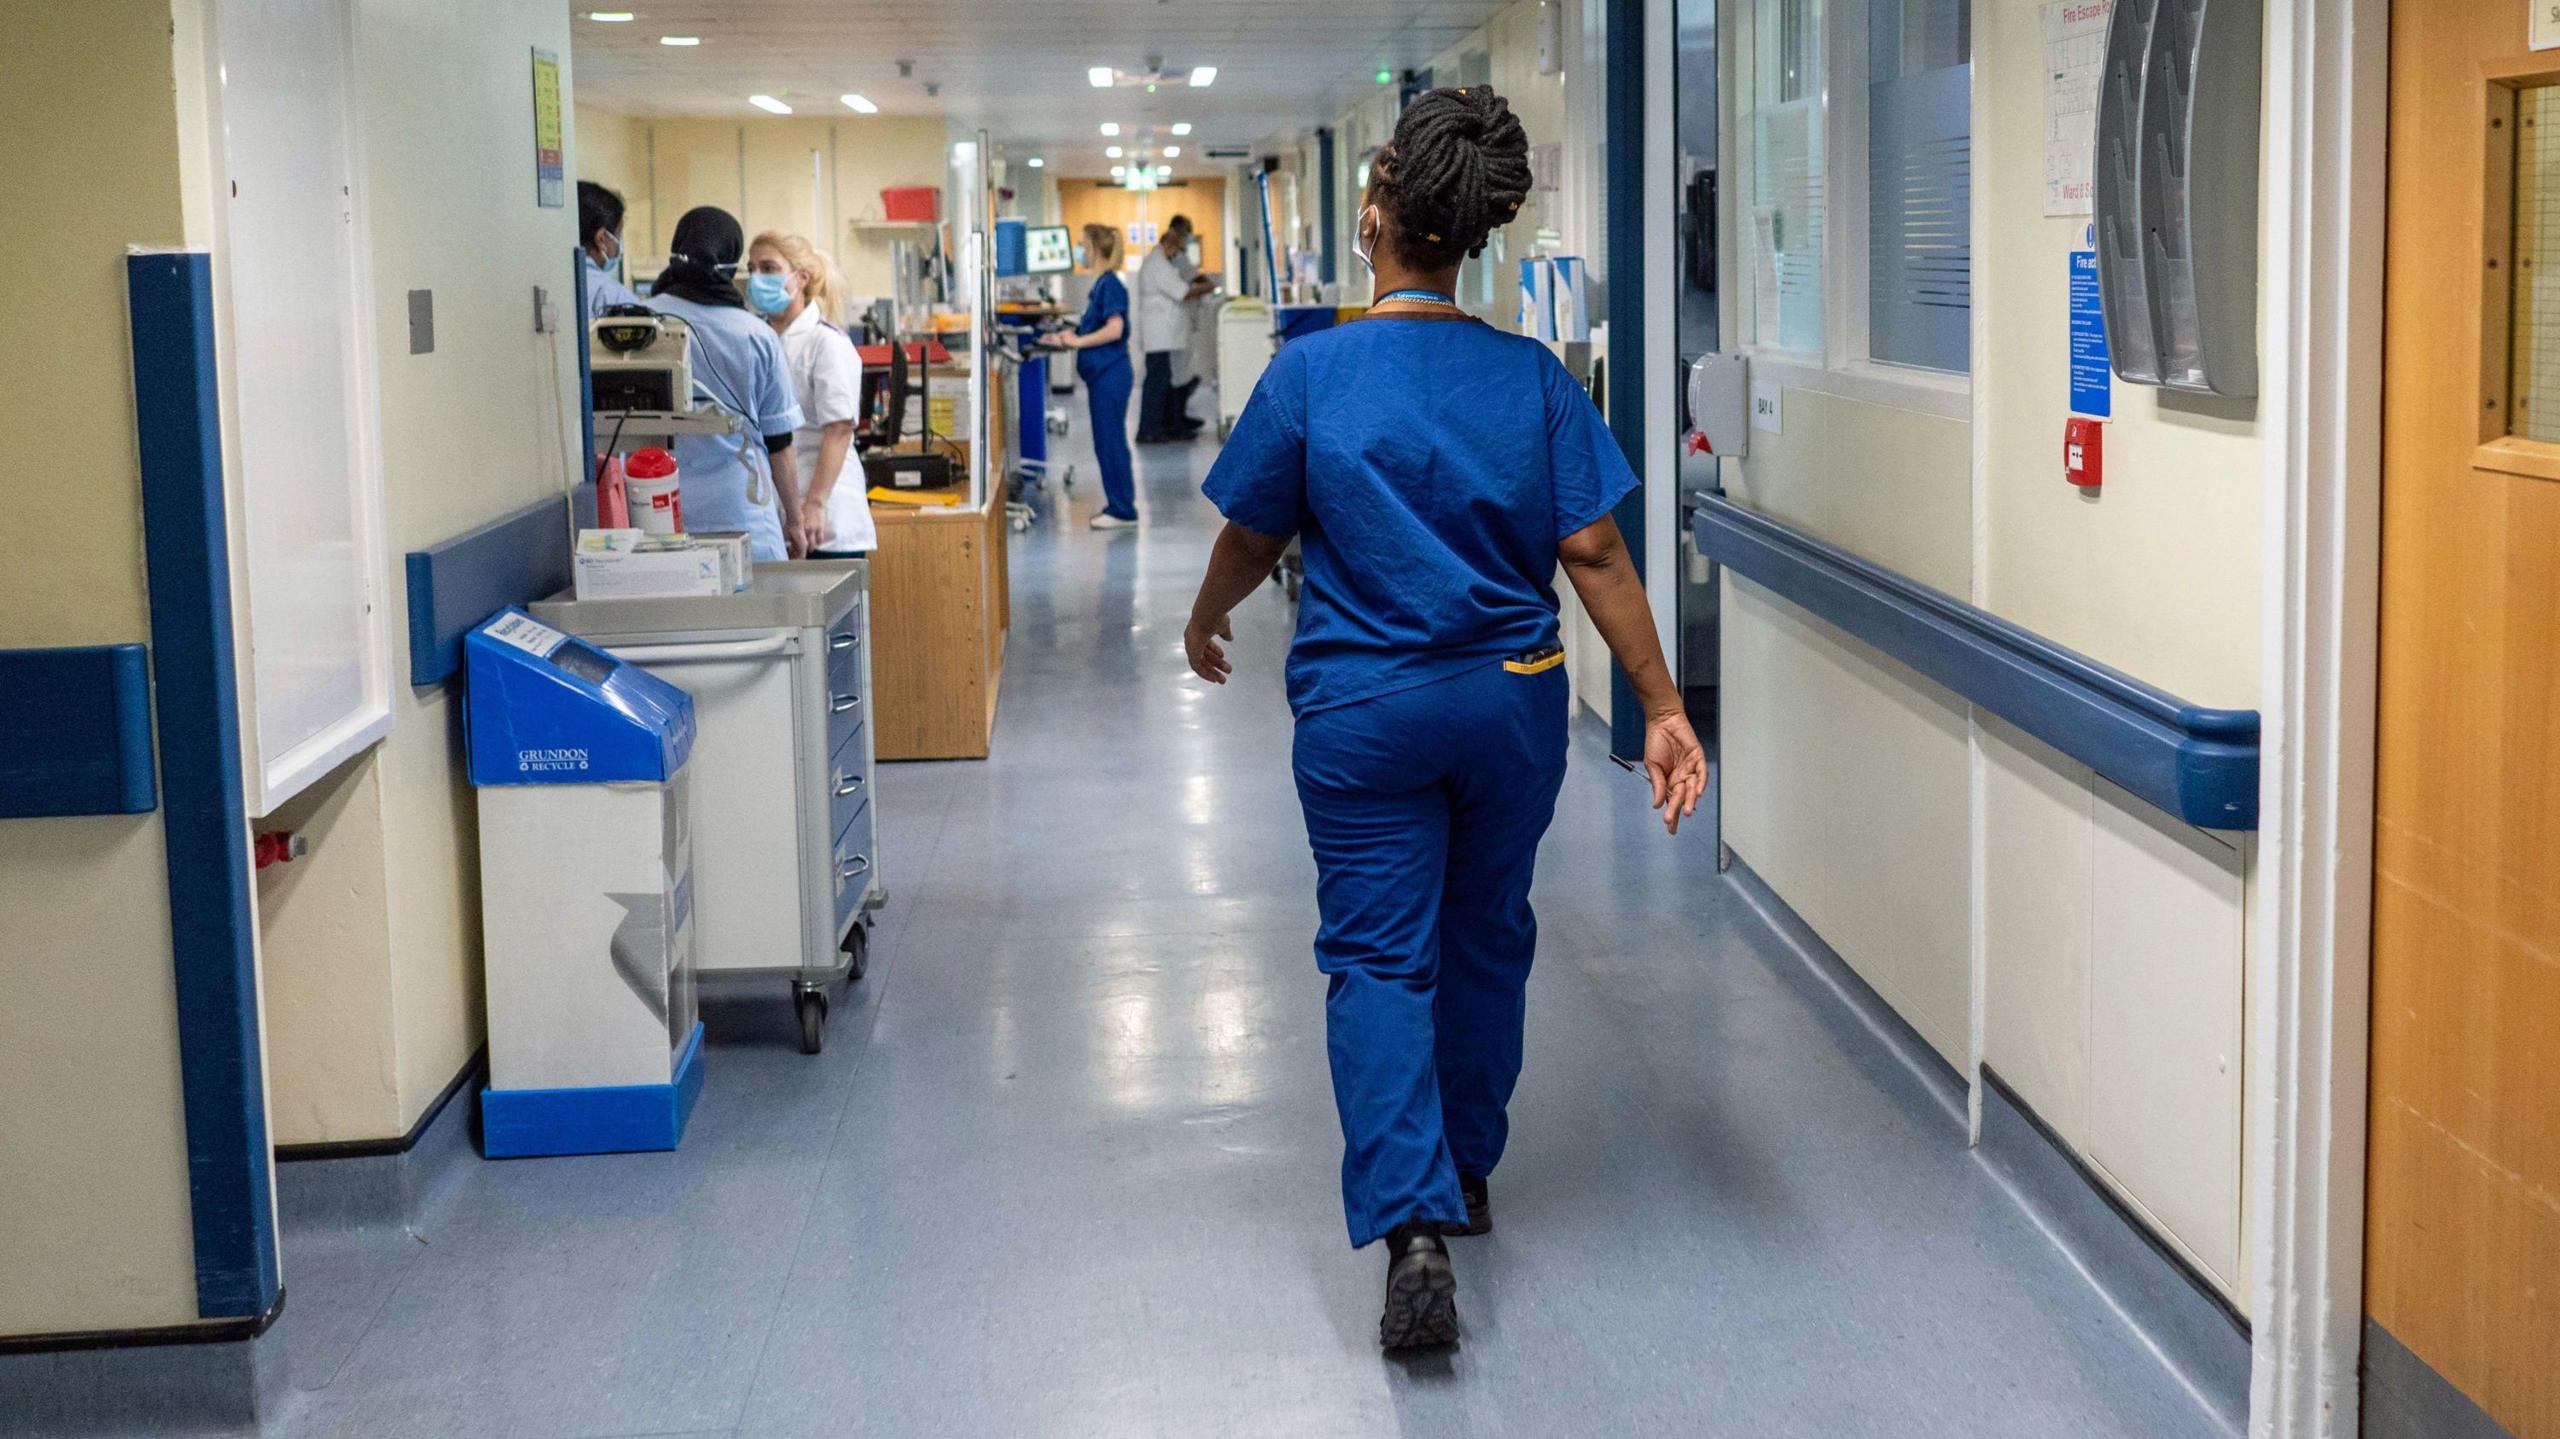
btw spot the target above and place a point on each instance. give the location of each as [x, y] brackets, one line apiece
[2327, 115]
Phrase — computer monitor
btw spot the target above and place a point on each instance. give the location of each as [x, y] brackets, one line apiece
[1048, 250]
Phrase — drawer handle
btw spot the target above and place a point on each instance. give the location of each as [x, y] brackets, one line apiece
[843, 703]
[851, 783]
[841, 643]
[859, 864]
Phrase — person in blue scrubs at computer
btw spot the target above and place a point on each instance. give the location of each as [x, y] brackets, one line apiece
[1101, 343]
[600, 242]
[744, 481]
[1438, 472]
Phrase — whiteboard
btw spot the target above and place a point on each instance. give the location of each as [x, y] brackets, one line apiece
[293, 295]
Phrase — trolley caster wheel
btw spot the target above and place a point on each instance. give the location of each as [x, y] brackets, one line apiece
[857, 950]
[813, 1021]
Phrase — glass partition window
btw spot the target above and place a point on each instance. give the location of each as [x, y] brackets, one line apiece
[1789, 185]
[1919, 183]
[2533, 361]
[1855, 216]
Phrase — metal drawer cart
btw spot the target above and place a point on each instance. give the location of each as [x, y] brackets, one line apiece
[786, 860]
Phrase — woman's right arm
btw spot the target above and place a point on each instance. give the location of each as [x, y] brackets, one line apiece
[1109, 331]
[1612, 593]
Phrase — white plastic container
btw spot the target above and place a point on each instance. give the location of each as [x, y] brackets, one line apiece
[653, 492]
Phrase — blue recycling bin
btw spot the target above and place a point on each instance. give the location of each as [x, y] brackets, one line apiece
[586, 894]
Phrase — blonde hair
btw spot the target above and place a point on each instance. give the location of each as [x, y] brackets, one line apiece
[820, 281]
[1104, 242]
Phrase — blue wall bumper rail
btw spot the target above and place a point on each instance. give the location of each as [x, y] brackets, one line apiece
[512, 560]
[2196, 763]
[75, 732]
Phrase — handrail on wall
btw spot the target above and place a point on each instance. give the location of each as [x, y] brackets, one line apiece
[2197, 763]
[514, 559]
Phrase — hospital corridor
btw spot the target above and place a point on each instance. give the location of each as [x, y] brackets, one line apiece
[1131, 719]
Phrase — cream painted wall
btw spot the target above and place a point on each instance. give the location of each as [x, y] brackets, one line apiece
[94, 1183]
[759, 169]
[2157, 575]
[371, 944]
[1845, 789]
[1845, 775]
[2087, 935]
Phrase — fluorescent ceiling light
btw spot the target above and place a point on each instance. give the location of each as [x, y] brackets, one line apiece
[859, 105]
[1182, 127]
[1163, 170]
[1099, 77]
[610, 17]
[1110, 127]
[679, 39]
[1035, 162]
[1203, 74]
[1173, 152]
[1119, 172]
[768, 104]
[1111, 152]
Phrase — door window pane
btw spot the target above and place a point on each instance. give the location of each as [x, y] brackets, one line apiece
[1920, 185]
[2533, 374]
[1787, 192]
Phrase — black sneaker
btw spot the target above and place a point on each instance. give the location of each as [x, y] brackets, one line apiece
[1422, 1291]
[1479, 1199]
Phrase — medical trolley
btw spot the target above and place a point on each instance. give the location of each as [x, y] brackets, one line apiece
[786, 854]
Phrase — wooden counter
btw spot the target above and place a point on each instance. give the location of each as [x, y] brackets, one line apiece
[939, 607]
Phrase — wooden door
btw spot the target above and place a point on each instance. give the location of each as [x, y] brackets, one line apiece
[2463, 1217]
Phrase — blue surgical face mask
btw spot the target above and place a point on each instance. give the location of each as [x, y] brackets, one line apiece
[768, 294]
[1081, 258]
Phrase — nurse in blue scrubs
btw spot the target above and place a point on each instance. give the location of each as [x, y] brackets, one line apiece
[1438, 471]
[600, 245]
[744, 481]
[1101, 343]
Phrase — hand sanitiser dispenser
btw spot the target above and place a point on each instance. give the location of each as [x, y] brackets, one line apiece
[586, 906]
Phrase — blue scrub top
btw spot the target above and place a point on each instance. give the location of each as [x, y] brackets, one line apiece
[603, 289]
[726, 481]
[1109, 298]
[1431, 468]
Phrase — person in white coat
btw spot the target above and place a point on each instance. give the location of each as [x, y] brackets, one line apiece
[794, 285]
[1164, 328]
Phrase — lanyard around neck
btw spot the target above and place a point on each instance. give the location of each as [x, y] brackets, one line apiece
[1417, 297]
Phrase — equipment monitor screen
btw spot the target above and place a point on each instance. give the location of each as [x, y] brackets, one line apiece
[1047, 250]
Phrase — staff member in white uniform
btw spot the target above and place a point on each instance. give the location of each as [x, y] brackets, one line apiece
[1164, 327]
[745, 481]
[794, 286]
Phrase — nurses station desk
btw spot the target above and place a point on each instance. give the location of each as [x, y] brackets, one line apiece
[940, 606]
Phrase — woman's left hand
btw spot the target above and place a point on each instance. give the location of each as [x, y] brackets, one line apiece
[1200, 645]
[813, 521]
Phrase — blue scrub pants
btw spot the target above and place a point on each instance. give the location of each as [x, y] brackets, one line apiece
[1425, 808]
[1106, 395]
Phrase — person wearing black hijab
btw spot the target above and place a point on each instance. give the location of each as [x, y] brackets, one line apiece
[723, 479]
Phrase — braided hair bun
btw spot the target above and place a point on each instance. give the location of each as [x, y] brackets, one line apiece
[1456, 171]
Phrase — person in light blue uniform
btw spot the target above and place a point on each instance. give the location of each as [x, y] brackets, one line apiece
[744, 481]
[1101, 343]
[600, 242]
[1438, 472]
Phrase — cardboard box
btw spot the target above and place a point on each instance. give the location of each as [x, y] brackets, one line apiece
[630, 565]
[737, 555]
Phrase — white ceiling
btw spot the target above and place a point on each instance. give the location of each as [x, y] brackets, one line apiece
[1017, 67]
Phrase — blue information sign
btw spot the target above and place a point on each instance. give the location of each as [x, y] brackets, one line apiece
[2091, 389]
